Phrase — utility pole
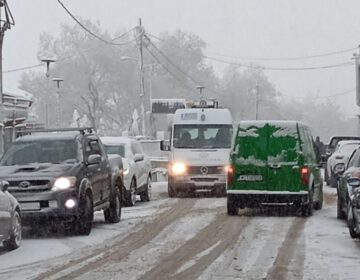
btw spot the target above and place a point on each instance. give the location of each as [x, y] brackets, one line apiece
[357, 79]
[47, 61]
[257, 101]
[200, 88]
[140, 32]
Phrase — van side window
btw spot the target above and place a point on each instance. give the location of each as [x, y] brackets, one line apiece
[306, 144]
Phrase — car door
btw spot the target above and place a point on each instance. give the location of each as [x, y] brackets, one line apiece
[5, 215]
[97, 173]
[136, 149]
[353, 165]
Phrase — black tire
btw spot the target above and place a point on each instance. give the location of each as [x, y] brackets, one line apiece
[146, 195]
[113, 213]
[131, 194]
[339, 212]
[319, 204]
[307, 210]
[16, 233]
[352, 231]
[171, 191]
[86, 216]
[326, 175]
[232, 207]
[333, 181]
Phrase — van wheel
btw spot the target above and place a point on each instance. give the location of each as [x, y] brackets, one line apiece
[113, 213]
[15, 237]
[146, 195]
[307, 210]
[232, 207]
[171, 191]
[318, 204]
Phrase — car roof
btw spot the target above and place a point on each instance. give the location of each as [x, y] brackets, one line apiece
[347, 142]
[273, 122]
[116, 140]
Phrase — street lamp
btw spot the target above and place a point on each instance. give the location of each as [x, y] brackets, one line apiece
[58, 104]
[47, 74]
[142, 90]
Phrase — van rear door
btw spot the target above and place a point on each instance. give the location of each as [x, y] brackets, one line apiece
[283, 153]
[250, 157]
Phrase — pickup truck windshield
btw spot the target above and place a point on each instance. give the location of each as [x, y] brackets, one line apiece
[202, 136]
[44, 151]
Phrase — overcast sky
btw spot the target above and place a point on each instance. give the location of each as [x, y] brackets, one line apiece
[246, 28]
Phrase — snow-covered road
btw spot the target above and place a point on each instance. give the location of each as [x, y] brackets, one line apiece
[193, 238]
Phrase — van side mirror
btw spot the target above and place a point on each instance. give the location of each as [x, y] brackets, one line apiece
[4, 185]
[164, 145]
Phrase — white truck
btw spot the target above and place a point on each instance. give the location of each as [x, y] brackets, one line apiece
[199, 147]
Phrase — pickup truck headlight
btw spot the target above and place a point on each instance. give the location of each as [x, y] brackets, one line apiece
[178, 168]
[64, 183]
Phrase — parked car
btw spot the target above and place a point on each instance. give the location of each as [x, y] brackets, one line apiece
[137, 167]
[274, 163]
[338, 160]
[330, 148]
[63, 176]
[344, 189]
[10, 219]
[348, 192]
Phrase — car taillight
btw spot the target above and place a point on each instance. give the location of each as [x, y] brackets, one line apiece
[305, 175]
[230, 175]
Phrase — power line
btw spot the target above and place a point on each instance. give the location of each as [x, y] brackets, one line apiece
[271, 68]
[171, 73]
[280, 68]
[286, 58]
[321, 97]
[65, 58]
[88, 30]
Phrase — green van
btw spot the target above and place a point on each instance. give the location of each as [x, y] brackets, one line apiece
[274, 163]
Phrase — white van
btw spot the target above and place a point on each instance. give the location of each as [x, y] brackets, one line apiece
[199, 150]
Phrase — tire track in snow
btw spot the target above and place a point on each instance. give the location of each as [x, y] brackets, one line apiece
[289, 263]
[123, 247]
[222, 232]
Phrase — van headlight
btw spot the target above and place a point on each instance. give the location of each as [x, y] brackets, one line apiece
[64, 183]
[178, 168]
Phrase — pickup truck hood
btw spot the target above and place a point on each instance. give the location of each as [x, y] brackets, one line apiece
[36, 170]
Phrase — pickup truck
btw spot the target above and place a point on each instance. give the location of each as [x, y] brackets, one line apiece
[63, 176]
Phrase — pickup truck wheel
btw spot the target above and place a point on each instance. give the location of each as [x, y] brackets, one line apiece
[84, 222]
[131, 194]
[146, 195]
[113, 213]
[15, 237]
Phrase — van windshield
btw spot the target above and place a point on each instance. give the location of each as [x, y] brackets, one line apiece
[190, 136]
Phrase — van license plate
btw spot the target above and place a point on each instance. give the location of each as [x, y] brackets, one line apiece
[250, 178]
[30, 206]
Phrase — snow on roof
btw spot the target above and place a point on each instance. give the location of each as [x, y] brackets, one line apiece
[17, 93]
[116, 140]
[347, 142]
